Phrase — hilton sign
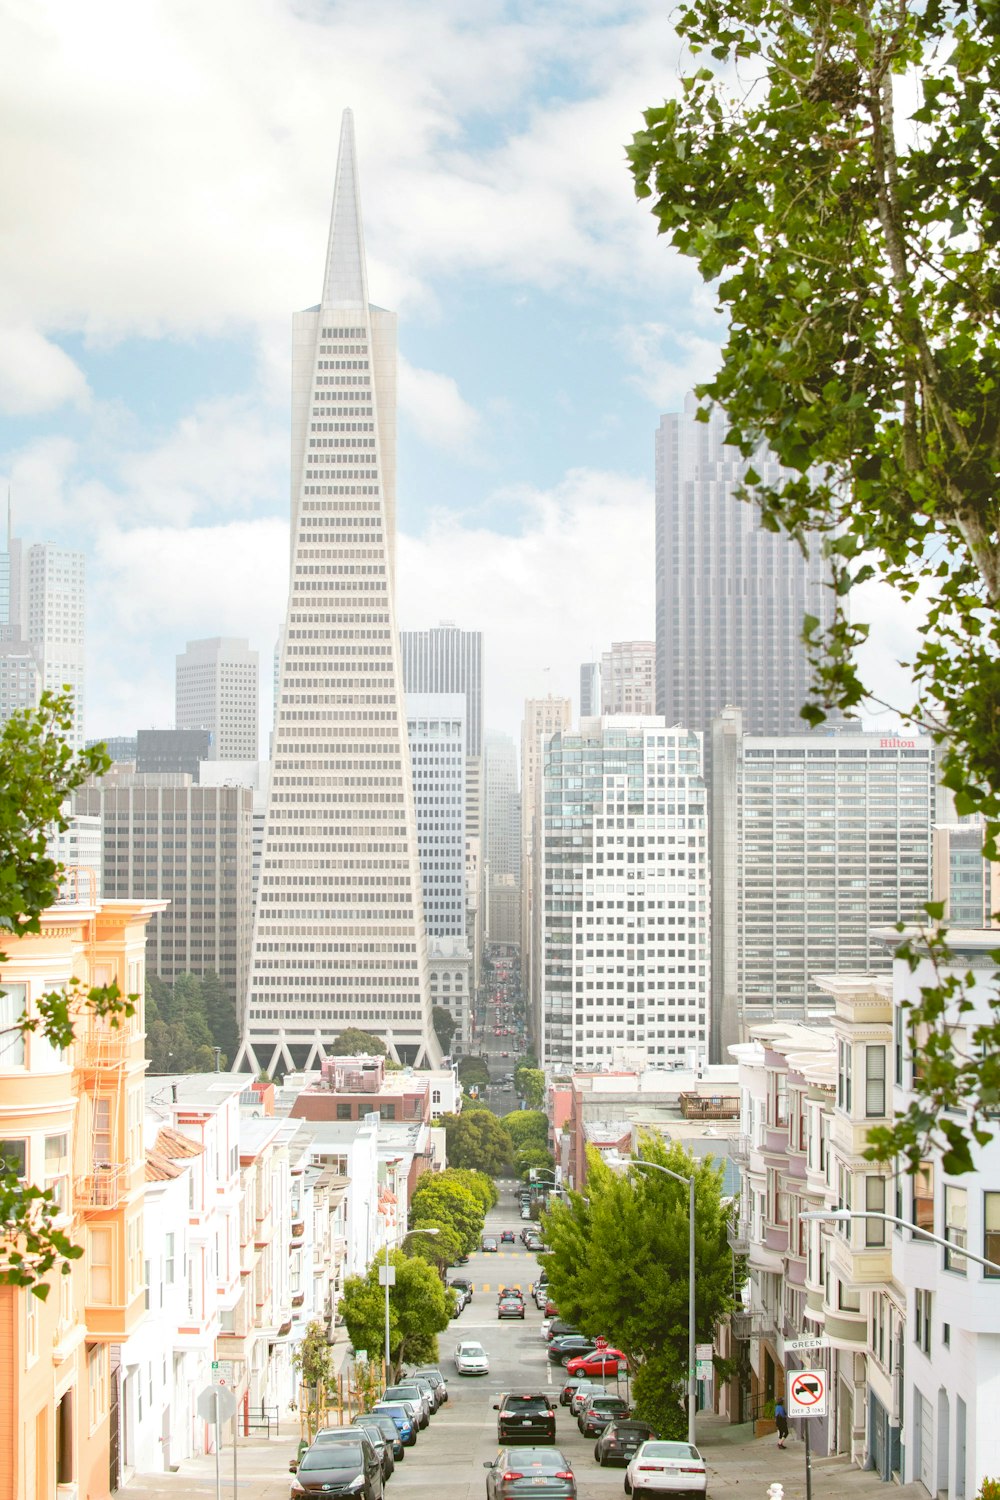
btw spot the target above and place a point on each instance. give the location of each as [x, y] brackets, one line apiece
[898, 744]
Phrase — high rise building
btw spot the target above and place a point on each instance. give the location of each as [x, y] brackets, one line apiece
[52, 621]
[542, 717]
[448, 660]
[502, 803]
[590, 689]
[20, 679]
[436, 728]
[217, 690]
[730, 596]
[165, 837]
[818, 839]
[123, 748]
[964, 879]
[628, 678]
[623, 884]
[339, 934]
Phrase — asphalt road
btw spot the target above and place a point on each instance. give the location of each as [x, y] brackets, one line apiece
[449, 1456]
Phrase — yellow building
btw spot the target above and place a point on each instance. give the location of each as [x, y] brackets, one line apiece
[72, 1121]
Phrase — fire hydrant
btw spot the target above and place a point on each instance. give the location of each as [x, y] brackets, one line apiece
[776, 1491]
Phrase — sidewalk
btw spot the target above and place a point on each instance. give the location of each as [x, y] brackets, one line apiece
[740, 1464]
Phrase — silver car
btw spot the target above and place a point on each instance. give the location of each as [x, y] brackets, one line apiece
[471, 1359]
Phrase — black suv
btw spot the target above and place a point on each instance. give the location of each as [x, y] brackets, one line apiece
[530, 1417]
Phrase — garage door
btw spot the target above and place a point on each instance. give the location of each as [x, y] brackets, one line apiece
[923, 1425]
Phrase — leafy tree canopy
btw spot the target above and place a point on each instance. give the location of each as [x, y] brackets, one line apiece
[527, 1127]
[472, 1070]
[476, 1139]
[185, 1022]
[419, 1309]
[353, 1042]
[445, 1026]
[478, 1183]
[439, 1200]
[855, 254]
[618, 1266]
[530, 1083]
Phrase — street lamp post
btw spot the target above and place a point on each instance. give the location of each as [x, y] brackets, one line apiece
[385, 1278]
[841, 1215]
[692, 1368]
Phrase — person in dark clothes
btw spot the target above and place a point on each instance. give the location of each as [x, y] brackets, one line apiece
[780, 1421]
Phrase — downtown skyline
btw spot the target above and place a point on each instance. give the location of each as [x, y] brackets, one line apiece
[144, 374]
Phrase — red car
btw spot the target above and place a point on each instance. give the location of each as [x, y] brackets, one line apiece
[598, 1361]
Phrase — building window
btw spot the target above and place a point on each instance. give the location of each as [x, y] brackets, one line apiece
[100, 1266]
[14, 1157]
[844, 1077]
[168, 1260]
[13, 999]
[343, 1111]
[847, 1299]
[30, 1328]
[923, 1197]
[956, 1224]
[57, 1169]
[874, 1082]
[923, 1308]
[991, 1231]
[875, 1204]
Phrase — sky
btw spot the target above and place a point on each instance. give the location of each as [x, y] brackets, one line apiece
[166, 172]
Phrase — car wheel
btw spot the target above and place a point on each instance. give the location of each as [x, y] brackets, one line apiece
[598, 1454]
[628, 1485]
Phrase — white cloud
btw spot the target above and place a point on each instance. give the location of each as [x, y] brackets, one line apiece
[669, 362]
[437, 409]
[36, 375]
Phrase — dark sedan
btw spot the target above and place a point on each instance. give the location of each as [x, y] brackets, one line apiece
[518, 1472]
[333, 1469]
[567, 1346]
[598, 1411]
[621, 1440]
[387, 1427]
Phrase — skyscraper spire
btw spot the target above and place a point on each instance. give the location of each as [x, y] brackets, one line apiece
[339, 929]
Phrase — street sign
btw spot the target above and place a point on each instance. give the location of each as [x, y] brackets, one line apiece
[600, 1343]
[704, 1370]
[222, 1372]
[216, 1404]
[807, 1394]
[387, 1275]
[816, 1341]
[704, 1351]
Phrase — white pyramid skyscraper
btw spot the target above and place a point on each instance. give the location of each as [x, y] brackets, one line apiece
[339, 929]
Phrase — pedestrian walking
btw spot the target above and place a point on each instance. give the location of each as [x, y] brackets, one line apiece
[780, 1421]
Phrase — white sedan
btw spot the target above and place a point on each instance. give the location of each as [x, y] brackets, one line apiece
[667, 1468]
[471, 1359]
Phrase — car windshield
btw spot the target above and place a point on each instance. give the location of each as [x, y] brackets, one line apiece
[535, 1458]
[609, 1403]
[372, 1426]
[471, 1349]
[333, 1456]
[632, 1429]
[527, 1403]
[396, 1411]
[670, 1450]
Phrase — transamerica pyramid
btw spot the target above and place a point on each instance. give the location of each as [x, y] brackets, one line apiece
[339, 927]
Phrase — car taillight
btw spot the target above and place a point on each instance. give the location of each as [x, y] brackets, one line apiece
[510, 1474]
[650, 1468]
[564, 1474]
[548, 1413]
[690, 1470]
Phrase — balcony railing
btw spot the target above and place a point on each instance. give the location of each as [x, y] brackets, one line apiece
[738, 1234]
[750, 1325]
[710, 1106]
[739, 1148]
[104, 1187]
[107, 1047]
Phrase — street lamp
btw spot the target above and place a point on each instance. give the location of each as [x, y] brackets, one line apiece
[841, 1215]
[692, 1370]
[385, 1277]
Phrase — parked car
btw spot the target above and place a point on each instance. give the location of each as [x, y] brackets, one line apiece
[667, 1468]
[583, 1392]
[559, 1326]
[525, 1214]
[403, 1416]
[506, 1236]
[489, 1244]
[525, 1414]
[427, 1388]
[598, 1410]
[463, 1288]
[471, 1359]
[550, 1308]
[409, 1390]
[387, 1427]
[621, 1440]
[437, 1380]
[597, 1362]
[511, 1307]
[535, 1471]
[567, 1346]
[332, 1469]
[371, 1435]
[571, 1386]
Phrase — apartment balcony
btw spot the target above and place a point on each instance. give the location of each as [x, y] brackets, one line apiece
[106, 1187]
[710, 1106]
[738, 1235]
[739, 1149]
[751, 1325]
[104, 1050]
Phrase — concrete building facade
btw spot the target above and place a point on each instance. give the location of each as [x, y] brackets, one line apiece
[435, 724]
[217, 689]
[628, 678]
[623, 885]
[542, 717]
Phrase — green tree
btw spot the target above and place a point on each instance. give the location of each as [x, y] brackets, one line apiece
[439, 1199]
[314, 1362]
[353, 1042]
[523, 1065]
[855, 258]
[445, 1027]
[483, 1186]
[476, 1139]
[440, 1250]
[419, 1309]
[527, 1127]
[618, 1266]
[473, 1070]
[38, 773]
[530, 1159]
[531, 1087]
[220, 1013]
